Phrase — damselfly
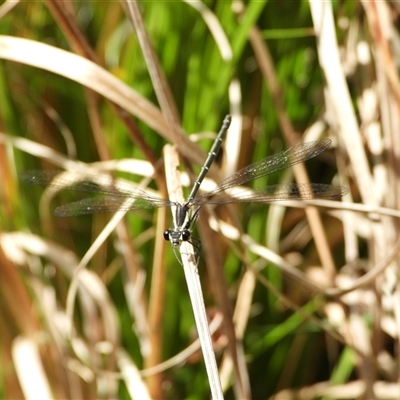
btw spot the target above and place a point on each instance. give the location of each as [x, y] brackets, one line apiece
[123, 196]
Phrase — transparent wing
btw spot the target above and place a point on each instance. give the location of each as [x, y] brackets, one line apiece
[286, 191]
[121, 195]
[104, 204]
[268, 165]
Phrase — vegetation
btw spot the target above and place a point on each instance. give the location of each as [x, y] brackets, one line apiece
[302, 298]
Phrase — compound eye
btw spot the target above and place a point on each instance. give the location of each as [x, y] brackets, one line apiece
[166, 235]
[185, 235]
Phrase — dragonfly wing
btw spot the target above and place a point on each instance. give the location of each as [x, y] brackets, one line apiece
[108, 204]
[83, 182]
[286, 191]
[120, 194]
[66, 179]
[274, 163]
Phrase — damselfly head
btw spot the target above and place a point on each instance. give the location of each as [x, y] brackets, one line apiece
[176, 237]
